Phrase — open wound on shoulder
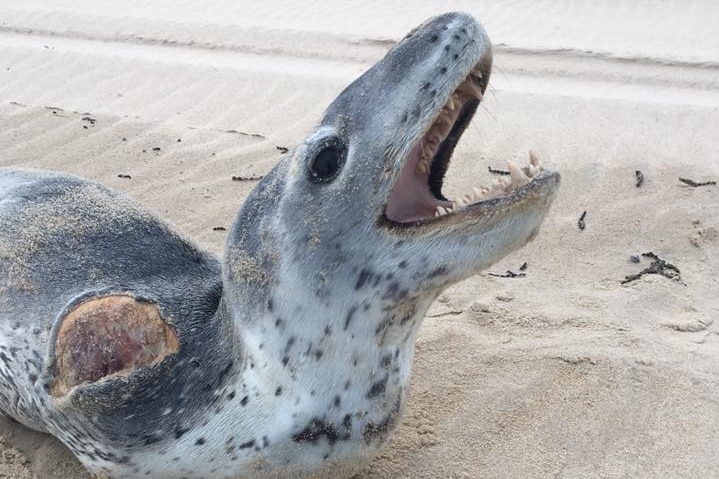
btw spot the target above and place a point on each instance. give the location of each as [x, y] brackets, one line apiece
[106, 336]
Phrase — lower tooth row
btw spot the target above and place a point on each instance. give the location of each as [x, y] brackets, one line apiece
[518, 177]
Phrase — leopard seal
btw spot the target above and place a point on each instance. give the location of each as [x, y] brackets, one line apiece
[291, 355]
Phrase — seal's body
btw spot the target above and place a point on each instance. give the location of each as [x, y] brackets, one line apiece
[290, 356]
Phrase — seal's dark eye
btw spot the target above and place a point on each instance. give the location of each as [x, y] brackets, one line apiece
[326, 164]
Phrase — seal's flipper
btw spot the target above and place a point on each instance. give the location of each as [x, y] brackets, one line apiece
[108, 336]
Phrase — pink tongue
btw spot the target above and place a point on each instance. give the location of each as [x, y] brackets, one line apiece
[411, 199]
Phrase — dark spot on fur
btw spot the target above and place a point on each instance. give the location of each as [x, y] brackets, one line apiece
[247, 444]
[337, 401]
[200, 441]
[289, 344]
[363, 277]
[318, 354]
[244, 400]
[386, 361]
[151, 439]
[314, 430]
[278, 391]
[285, 360]
[383, 325]
[377, 388]
[180, 431]
[441, 271]
[350, 314]
[379, 430]
[225, 371]
[392, 291]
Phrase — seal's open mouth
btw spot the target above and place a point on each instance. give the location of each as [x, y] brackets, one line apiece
[417, 194]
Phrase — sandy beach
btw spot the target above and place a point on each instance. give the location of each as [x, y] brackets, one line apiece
[562, 373]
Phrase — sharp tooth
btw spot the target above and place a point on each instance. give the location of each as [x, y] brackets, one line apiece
[461, 203]
[444, 119]
[442, 210]
[505, 182]
[533, 159]
[477, 193]
[421, 168]
[517, 175]
[450, 104]
[468, 198]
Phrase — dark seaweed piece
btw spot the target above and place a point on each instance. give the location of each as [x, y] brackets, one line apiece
[508, 274]
[581, 223]
[658, 266]
[498, 172]
[248, 178]
[695, 184]
[640, 178]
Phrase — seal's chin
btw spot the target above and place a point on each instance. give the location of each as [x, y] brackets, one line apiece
[416, 197]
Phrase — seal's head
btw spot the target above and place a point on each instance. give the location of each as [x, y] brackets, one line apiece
[339, 251]
[364, 190]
